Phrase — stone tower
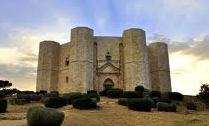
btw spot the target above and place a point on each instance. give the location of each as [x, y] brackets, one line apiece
[135, 59]
[159, 67]
[82, 65]
[91, 62]
[48, 66]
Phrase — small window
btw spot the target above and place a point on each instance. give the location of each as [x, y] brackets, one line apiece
[67, 61]
[66, 79]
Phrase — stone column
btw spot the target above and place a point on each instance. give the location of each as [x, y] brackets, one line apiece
[48, 66]
[159, 67]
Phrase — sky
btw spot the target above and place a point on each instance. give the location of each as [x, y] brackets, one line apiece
[184, 26]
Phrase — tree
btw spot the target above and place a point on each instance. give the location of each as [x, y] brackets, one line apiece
[204, 93]
[5, 84]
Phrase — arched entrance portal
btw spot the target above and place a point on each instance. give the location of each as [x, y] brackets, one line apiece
[108, 84]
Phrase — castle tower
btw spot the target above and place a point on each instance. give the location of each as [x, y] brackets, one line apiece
[48, 66]
[159, 67]
[135, 59]
[82, 41]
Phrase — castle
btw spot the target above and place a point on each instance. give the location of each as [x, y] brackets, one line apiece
[91, 62]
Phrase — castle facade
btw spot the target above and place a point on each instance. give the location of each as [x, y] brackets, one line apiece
[91, 62]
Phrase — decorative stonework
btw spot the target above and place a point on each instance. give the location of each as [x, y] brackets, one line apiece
[88, 62]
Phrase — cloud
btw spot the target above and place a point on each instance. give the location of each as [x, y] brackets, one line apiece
[18, 60]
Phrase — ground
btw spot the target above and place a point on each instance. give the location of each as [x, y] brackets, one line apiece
[110, 114]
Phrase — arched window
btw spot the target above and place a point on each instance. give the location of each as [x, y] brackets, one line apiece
[67, 61]
[66, 79]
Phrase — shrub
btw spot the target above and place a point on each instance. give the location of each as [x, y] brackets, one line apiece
[53, 94]
[155, 94]
[43, 92]
[56, 92]
[191, 106]
[3, 105]
[91, 91]
[21, 101]
[176, 96]
[84, 102]
[69, 97]
[27, 92]
[35, 97]
[55, 102]
[103, 93]
[162, 106]
[138, 104]
[131, 94]
[94, 95]
[40, 116]
[114, 93]
[123, 101]
[139, 88]
[2, 94]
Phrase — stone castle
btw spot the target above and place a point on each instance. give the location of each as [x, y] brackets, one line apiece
[91, 62]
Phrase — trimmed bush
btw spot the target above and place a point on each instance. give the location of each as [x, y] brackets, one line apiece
[94, 95]
[2, 94]
[69, 97]
[3, 105]
[155, 94]
[56, 92]
[139, 89]
[40, 116]
[43, 92]
[138, 104]
[176, 96]
[91, 91]
[162, 106]
[191, 106]
[21, 101]
[103, 93]
[84, 102]
[114, 93]
[131, 94]
[55, 102]
[27, 92]
[123, 101]
[53, 94]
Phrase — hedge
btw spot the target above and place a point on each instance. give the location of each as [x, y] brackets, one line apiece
[3, 105]
[162, 106]
[131, 94]
[139, 104]
[84, 102]
[114, 93]
[55, 102]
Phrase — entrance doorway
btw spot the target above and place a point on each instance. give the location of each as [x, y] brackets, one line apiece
[108, 84]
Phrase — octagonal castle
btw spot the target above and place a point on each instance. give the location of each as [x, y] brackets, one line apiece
[91, 62]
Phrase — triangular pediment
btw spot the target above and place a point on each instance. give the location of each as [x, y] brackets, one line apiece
[108, 68]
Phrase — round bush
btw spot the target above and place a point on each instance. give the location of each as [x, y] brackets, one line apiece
[40, 116]
[162, 106]
[21, 101]
[84, 102]
[131, 94]
[191, 106]
[55, 102]
[138, 104]
[139, 89]
[114, 93]
[103, 93]
[123, 101]
[69, 97]
[176, 96]
[3, 105]
[91, 91]
[53, 94]
[94, 95]
[155, 94]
